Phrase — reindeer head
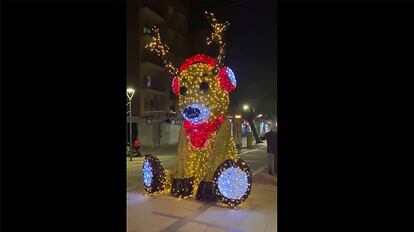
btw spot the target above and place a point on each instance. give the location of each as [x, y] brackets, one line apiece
[202, 85]
[203, 96]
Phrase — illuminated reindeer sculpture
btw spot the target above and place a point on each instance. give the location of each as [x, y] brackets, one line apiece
[207, 159]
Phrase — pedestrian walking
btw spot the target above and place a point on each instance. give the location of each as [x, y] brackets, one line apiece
[271, 139]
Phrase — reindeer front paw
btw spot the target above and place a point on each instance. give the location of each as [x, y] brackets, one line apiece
[232, 182]
[154, 175]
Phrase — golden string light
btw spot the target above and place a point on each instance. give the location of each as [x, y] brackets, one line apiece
[162, 50]
[217, 36]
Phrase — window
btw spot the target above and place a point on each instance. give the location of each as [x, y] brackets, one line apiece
[147, 82]
[153, 104]
[146, 30]
[148, 104]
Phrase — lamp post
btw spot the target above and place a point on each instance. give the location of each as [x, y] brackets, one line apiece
[130, 95]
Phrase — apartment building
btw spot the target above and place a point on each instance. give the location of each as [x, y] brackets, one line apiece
[153, 101]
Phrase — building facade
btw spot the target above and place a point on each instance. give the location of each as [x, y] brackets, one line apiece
[154, 101]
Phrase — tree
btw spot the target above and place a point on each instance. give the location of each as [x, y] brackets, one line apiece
[249, 116]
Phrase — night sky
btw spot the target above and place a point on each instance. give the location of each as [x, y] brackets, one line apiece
[250, 50]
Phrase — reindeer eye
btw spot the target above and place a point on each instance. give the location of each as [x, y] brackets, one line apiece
[203, 87]
[183, 91]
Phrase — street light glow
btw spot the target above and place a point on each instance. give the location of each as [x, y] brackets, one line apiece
[237, 116]
[260, 115]
[130, 93]
[246, 107]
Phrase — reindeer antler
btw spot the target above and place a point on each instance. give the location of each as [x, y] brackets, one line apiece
[161, 49]
[216, 36]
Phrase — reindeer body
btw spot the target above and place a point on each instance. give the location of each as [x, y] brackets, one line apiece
[205, 139]
[201, 164]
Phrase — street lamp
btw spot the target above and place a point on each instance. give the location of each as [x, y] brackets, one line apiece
[130, 95]
[246, 107]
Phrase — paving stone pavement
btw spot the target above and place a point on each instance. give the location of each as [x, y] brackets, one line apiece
[164, 213]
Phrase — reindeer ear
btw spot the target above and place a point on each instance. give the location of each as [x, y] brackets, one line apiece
[227, 79]
[175, 86]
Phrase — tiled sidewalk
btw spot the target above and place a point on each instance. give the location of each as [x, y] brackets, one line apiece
[165, 213]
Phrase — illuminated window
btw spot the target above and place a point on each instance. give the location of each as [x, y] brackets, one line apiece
[146, 30]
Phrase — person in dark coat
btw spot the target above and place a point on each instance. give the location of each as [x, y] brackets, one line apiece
[271, 139]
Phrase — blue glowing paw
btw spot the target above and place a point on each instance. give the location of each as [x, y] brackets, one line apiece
[154, 175]
[232, 182]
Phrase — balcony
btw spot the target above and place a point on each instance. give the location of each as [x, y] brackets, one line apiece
[154, 107]
[153, 61]
[156, 87]
[152, 13]
[152, 91]
[146, 38]
[155, 113]
[180, 23]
